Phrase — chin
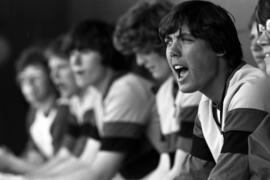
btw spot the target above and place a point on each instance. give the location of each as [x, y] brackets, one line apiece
[186, 88]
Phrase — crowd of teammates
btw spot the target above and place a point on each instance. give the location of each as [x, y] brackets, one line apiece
[203, 113]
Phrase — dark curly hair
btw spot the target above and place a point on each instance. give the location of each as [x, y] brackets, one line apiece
[137, 30]
[209, 22]
[96, 35]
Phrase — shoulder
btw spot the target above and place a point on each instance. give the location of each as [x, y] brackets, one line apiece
[249, 88]
[132, 85]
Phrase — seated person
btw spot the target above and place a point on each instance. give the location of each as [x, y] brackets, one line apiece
[204, 52]
[136, 33]
[72, 98]
[121, 110]
[45, 123]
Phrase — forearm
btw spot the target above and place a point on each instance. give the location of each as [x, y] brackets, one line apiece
[195, 169]
[78, 172]
[17, 165]
[61, 158]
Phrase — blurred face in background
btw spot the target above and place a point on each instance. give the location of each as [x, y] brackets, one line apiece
[256, 49]
[264, 41]
[155, 64]
[34, 84]
[62, 76]
[87, 68]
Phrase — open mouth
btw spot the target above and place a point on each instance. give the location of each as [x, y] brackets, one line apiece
[180, 70]
[79, 72]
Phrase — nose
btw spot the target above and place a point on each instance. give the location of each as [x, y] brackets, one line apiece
[264, 39]
[75, 59]
[140, 60]
[55, 75]
[174, 51]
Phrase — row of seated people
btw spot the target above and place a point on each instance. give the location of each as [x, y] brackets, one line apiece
[94, 116]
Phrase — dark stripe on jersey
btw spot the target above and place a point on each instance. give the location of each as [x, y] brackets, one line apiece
[172, 158]
[89, 117]
[243, 119]
[73, 130]
[141, 167]
[235, 142]
[188, 114]
[119, 144]
[186, 129]
[170, 141]
[59, 126]
[200, 149]
[123, 130]
[89, 131]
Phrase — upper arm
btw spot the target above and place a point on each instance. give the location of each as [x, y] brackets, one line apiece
[126, 112]
[247, 109]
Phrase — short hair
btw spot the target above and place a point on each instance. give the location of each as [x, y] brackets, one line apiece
[59, 47]
[96, 35]
[209, 22]
[32, 56]
[137, 29]
[263, 11]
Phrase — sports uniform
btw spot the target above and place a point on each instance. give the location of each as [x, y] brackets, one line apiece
[47, 131]
[221, 131]
[82, 126]
[177, 112]
[124, 114]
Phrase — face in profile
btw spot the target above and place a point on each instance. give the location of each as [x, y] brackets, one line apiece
[255, 48]
[34, 84]
[192, 60]
[155, 64]
[264, 42]
[87, 68]
[62, 76]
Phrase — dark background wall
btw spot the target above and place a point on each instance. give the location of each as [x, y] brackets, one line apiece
[22, 23]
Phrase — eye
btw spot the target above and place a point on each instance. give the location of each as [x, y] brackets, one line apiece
[186, 38]
[168, 41]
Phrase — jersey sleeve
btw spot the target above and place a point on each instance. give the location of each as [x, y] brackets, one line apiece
[259, 151]
[126, 110]
[186, 113]
[247, 108]
[197, 165]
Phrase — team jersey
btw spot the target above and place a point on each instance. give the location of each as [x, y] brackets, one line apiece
[177, 112]
[82, 126]
[123, 116]
[259, 151]
[220, 143]
[46, 131]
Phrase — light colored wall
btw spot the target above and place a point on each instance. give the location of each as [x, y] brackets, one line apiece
[110, 10]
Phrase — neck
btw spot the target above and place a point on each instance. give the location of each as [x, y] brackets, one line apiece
[104, 82]
[215, 90]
